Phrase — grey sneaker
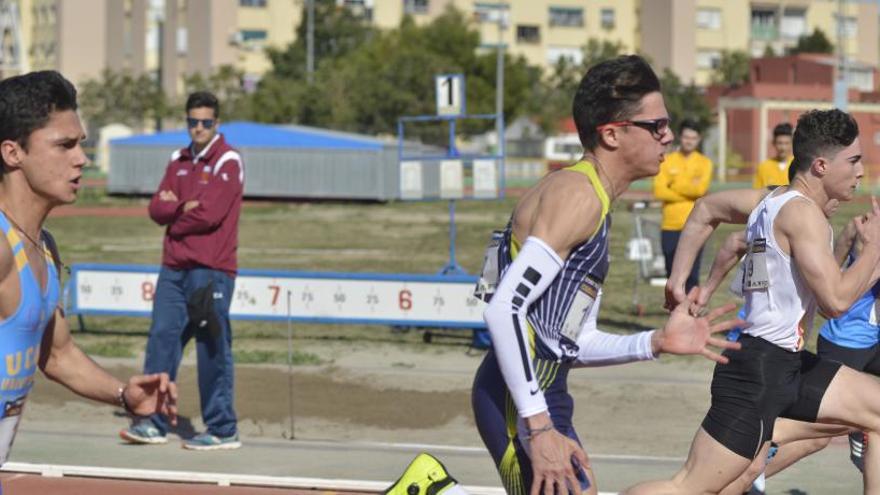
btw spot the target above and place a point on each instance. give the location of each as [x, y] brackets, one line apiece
[143, 432]
[206, 441]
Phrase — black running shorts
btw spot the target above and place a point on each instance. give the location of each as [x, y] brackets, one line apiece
[761, 382]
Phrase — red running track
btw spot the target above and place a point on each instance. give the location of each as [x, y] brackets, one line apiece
[27, 484]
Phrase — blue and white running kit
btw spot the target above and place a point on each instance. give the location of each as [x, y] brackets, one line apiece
[22, 333]
[542, 319]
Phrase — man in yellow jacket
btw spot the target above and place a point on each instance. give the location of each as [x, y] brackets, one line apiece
[684, 177]
[774, 171]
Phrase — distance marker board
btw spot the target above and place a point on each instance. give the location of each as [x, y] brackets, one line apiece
[357, 298]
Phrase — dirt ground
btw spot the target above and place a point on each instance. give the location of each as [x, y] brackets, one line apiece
[371, 392]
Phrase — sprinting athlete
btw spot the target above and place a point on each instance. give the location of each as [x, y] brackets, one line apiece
[851, 339]
[42, 161]
[553, 259]
[790, 270]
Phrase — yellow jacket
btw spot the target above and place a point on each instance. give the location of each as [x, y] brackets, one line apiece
[771, 172]
[681, 181]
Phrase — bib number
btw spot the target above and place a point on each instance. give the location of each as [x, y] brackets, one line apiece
[580, 309]
[488, 281]
[755, 275]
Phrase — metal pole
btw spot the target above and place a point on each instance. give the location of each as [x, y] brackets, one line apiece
[841, 87]
[161, 28]
[291, 434]
[310, 41]
[499, 98]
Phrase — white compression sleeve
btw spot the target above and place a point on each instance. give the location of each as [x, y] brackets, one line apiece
[598, 348]
[531, 272]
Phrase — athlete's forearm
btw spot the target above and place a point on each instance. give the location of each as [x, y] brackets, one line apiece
[71, 367]
[731, 251]
[598, 348]
[853, 282]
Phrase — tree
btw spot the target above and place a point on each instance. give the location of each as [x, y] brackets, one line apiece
[816, 42]
[733, 68]
[337, 31]
[366, 87]
[552, 97]
[226, 84]
[684, 101]
[122, 97]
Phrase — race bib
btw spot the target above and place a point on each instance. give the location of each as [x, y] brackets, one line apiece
[736, 283]
[755, 275]
[580, 309]
[488, 281]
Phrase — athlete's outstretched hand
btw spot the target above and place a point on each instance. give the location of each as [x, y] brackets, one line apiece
[553, 468]
[685, 333]
[869, 228]
[152, 394]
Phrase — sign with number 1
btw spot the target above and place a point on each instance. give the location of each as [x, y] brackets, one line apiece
[450, 94]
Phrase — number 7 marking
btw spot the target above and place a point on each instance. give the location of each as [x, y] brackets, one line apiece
[276, 290]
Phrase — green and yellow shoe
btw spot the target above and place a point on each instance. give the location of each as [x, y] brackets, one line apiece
[425, 475]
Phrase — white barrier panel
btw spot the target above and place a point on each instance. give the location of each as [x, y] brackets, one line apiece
[423, 300]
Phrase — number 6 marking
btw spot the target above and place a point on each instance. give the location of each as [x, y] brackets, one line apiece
[405, 299]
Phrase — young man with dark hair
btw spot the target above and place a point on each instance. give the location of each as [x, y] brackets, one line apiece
[774, 171]
[198, 201]
[790, 271]
[42, 161]
[684, 177]
[552, 260]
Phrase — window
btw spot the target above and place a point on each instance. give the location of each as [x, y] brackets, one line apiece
[252, 3]
[572, 54]
[794, 23]
[708, 59]
[253, 35]
[360, 8]
[709, 19]
[491, 12]
[528, 34]
[415, 6]
[850, 26]
[566, 16]
[764, 24]
[181, 41]
[607, 18]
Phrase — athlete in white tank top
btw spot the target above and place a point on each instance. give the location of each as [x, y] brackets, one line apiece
[778, 304]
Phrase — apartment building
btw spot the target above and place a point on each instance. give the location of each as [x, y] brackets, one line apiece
[172, 38]
[689, 36]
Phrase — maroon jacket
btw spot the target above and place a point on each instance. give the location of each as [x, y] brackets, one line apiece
[207, 235]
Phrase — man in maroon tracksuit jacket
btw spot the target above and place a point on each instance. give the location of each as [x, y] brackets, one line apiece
[198, 203]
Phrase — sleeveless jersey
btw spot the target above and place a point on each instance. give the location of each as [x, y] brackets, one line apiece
[779, 311]
[20, 336]
[558, 316]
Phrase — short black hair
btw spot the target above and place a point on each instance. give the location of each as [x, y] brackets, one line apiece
[27, 101]
[783, 129]
[689, 124]
[611, 91]
[203, 99]
[821, 133]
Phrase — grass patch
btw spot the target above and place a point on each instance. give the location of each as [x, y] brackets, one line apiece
[258, 356]
[395, 237]
[109, 347]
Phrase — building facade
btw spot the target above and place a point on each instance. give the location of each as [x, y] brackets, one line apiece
[171, 38]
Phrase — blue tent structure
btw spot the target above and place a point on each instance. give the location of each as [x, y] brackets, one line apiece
[280, 162]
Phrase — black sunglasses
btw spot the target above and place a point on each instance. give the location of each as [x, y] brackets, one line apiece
[657, 127]
[193, 123]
